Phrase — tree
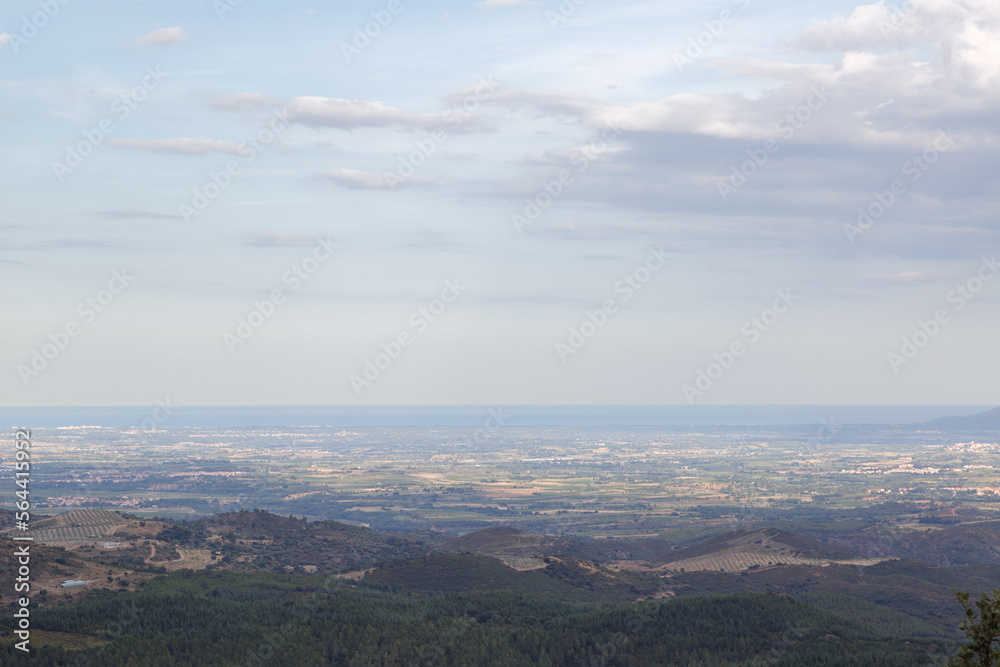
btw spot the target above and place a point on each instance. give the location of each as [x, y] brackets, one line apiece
[982, 632]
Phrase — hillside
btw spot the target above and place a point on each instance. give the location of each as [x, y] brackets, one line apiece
[965, 544]
[920, 591]
[500, 538]
[516, 548]
[563, 578]
[259, 541]
[50, 566]
[254, 541]
[520, 549]
[982, 421]
[742, 550]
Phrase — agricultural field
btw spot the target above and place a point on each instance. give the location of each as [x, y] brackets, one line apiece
[605, 483]
[192, 559]
[740, 561]
[74, 529]
[762, 549]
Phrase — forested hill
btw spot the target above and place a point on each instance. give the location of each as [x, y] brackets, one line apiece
[219, 618]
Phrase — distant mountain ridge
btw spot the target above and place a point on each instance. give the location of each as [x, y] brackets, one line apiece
[984, 420]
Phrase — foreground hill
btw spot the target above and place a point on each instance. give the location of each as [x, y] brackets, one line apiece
[218, 618]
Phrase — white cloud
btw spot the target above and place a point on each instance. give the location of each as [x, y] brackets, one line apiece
[727, 115]
[887, 87]
[350, 114]
[274, 239]
[867, 27]
[499, 4]
[4, 38]
[315, 111]
[354, 179]
[966, 33]
[547, 101]
[894, 97]
[243, 102]
[129, 214]
[978, 50]
[182, 145]
[162, 37]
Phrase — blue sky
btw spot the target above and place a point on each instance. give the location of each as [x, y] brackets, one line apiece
[541, 156]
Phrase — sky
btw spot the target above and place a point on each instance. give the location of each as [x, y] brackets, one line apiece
[499, 202]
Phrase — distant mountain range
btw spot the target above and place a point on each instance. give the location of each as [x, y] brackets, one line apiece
[984, 420]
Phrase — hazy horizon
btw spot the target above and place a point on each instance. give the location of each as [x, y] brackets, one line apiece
[496, 418]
